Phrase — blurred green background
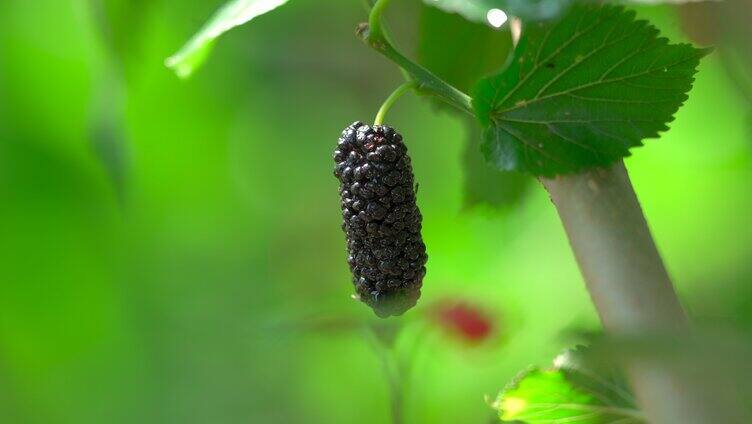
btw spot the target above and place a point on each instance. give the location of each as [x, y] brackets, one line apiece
[167, 246]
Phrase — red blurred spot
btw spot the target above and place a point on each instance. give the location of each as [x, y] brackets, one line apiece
[466, 321]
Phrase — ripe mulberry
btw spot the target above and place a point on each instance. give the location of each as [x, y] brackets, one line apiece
[382, 222]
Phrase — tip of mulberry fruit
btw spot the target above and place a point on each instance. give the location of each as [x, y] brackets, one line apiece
[394, 303]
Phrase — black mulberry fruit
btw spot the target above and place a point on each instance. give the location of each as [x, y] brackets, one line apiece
[382, 222]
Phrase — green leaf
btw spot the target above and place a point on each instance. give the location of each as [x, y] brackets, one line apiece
[571, 392]
[477, 10]
[234, 13]
[583, 90]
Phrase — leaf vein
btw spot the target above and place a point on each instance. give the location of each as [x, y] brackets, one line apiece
[531, 145]
[595, 83]
[558, 50]
[625, 101]
[556, 132]
[576, 64]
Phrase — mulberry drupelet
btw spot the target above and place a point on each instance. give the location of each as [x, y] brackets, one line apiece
[382, 222]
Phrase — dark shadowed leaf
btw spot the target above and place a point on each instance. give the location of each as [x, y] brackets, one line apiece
[483, 184]
[458, 51]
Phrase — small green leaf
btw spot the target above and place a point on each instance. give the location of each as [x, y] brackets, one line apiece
[477, 10]
[233, 13]
[583, 90]
[571, 392]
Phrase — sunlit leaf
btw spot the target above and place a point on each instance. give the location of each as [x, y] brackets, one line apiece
[583, 90]
[232, 14]
[571, 392]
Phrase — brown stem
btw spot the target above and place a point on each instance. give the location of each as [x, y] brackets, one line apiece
[628, 283]
[616, 253]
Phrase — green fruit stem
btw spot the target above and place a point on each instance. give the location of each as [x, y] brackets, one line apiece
[628, 283]
[374, 36]
[391, 100]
